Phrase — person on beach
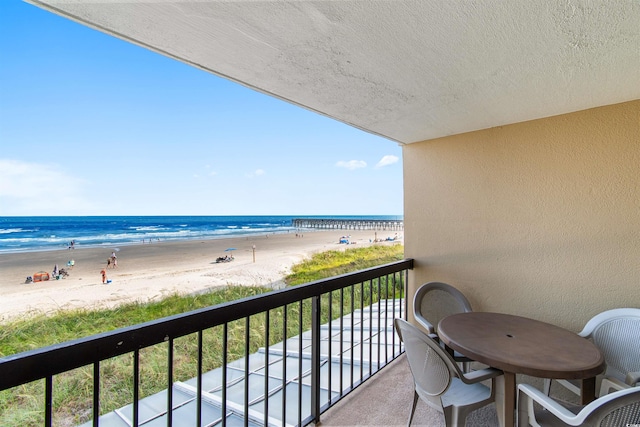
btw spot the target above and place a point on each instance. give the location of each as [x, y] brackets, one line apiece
[103, 273]
[114, 260]
[108, 262]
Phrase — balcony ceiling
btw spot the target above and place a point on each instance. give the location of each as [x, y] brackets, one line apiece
[405, 70]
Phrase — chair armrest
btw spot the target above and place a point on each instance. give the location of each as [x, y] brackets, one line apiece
[609, 384]
[549, 404]
[562, 413]
[480, 375]
[633, 378]
[425, 323]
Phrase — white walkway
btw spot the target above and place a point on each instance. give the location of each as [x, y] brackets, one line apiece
[351, 359]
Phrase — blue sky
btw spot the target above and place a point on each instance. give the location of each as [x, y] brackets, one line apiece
[93, 125]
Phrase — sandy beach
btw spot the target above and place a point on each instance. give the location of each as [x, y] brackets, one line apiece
[147, 272]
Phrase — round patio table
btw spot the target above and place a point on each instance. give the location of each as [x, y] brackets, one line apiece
[519, 345]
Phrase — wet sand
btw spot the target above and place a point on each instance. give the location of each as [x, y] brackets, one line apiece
[147, 272]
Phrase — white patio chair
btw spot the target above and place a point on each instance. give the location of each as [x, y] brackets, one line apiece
[617, 334]
[438, 380]
[618, 409]
[433, 302]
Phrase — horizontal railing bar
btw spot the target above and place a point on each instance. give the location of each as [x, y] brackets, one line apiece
[36, 364]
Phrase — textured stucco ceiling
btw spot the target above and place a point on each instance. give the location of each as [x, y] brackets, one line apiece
[406, 70]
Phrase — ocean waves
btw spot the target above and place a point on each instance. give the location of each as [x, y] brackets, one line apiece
[28, 234]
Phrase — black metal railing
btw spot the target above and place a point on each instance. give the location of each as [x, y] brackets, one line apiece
[313, 344]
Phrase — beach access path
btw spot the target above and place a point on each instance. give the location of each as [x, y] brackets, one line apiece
[152, 271]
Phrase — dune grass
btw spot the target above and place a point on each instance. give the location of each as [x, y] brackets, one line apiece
[334, 263]
[23, 405]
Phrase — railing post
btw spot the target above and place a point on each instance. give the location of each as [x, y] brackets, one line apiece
[406, 294]
[48, 398]
[315, 358]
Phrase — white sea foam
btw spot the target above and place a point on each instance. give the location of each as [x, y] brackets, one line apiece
[12, 230]
[149, 228]
[56, 233]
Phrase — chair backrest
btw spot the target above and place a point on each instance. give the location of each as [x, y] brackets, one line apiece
[617, 334]
[434, 301]
[621, 408]
[432, 367]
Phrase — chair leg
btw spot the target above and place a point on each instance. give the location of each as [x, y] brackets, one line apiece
[524, 404]
[453, 417]
[546, 388]
[413, 407]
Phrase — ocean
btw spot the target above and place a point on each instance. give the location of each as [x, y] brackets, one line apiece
[29, 234]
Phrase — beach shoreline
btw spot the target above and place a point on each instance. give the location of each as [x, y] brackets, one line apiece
[152, 271]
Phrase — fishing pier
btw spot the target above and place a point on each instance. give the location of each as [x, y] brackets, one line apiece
[349, 224]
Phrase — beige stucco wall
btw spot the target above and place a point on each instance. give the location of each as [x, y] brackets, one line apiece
[540, 219]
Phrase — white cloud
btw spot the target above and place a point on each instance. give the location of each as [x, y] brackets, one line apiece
[352, 164]
[40, 189]
[257, 172]
[387, 160]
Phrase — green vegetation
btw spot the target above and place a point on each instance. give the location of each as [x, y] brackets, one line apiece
[24, 405]
[43, 330]
[334, 263]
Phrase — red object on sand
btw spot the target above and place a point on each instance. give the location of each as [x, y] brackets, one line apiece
[41, 276]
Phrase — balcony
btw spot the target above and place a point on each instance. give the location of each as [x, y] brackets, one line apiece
[520, 174]
[386, 401]
[337, 334]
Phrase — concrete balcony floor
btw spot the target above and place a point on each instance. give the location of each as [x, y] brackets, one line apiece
[385, 400]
